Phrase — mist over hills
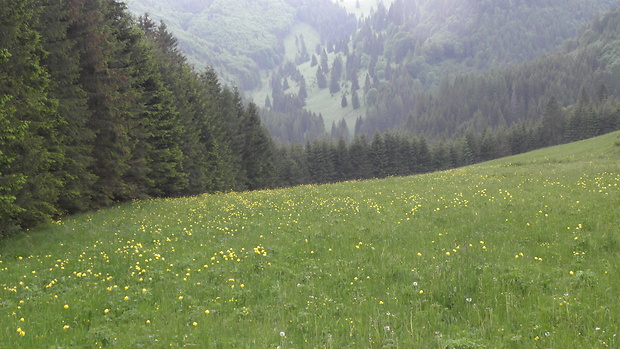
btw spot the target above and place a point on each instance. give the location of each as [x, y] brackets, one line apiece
[395, 49]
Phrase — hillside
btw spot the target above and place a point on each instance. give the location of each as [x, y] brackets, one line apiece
[234, 37]
[584, 68]
[396, 51]
[520, 252]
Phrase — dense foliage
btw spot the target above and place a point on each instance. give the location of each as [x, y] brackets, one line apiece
[98, 107]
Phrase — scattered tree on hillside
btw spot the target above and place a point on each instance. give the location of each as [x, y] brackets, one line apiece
[321, 80]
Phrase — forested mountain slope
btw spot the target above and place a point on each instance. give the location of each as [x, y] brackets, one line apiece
[588, 64]
[240, 38]
[401, 49]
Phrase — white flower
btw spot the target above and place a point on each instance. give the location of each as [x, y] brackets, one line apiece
[282, 334]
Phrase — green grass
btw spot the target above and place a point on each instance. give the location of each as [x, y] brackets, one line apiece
[521, 252]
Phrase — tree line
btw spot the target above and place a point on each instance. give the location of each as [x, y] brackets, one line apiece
[393, 153]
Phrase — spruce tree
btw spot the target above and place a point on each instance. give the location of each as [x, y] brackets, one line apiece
[361, 166]
[324, 62]
[11, 132]
[234, 117]
[553, 123]
[334, 84]
[95, 29]
[62, 62]
[31, 153]
[222, 162]
[258, 151]
[303, 93]
[314, 62]
[355, 100]
[378, 156]
[156, 130]
[342, 159]
[321, 80]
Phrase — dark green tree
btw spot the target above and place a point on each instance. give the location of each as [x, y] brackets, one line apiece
[378, 156]
[342, 160]
[63, 65]
[96, 30]
[359, 152]
[553, 123]
[324, 62]
[156, 130]
[321, 80]
[421, 158]
[303, 93]
[355, 100]
[31, 153]
[336, 73]
[258, 151]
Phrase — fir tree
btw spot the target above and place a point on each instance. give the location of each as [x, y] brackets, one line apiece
[314, 62]
[378, 156]
[303, 93]
[359, 151]
[321, 80]
[258, 151]
[31, 154]
[324, 62]
[355, 100]
[95, 29]
[553, 123]
[334, 85]
[62, 63]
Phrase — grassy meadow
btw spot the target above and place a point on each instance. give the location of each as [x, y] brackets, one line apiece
[521, 252]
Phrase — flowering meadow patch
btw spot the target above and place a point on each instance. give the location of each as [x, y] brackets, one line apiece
[520, 252]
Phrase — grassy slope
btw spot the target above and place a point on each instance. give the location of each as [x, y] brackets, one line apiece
[321, 101]
[521, 252]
